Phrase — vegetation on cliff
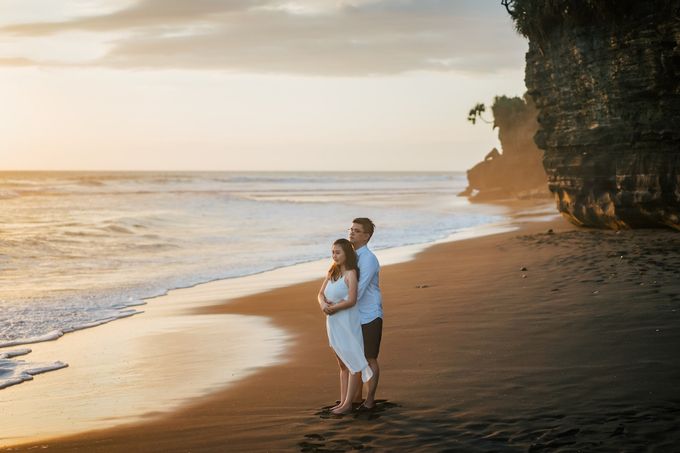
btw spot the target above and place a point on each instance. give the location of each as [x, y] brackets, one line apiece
[535, 19]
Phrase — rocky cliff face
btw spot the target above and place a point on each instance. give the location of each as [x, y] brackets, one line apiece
[517, 172]
[608, 92]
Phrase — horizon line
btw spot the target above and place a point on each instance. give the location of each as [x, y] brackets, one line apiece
[222, 171]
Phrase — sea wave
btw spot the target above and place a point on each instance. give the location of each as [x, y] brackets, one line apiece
[113, 228]
[8, 194]
[125, 312]
[108, 241]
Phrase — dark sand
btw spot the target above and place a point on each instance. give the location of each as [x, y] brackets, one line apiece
[580, 352]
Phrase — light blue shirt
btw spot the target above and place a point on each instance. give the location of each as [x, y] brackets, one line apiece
[369, 299]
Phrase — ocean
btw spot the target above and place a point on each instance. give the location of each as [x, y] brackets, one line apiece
[79, 249]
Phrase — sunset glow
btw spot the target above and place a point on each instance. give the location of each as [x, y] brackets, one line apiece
[258, 85]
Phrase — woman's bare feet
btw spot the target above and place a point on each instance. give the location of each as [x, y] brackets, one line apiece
[337, 405]
[342, 410]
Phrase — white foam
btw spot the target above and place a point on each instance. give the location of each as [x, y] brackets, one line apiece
[56, 334]
[50, 336]
[45, 368]
[128, 313]
[120, 315]
[129, 304]
[4, 383]
[15, 353]
[14, 372]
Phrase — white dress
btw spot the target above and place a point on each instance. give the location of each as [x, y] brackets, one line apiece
[344, 331]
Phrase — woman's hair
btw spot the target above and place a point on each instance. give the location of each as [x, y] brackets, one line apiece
[350, 260]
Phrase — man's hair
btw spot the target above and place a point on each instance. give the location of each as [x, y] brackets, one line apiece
[366, 224]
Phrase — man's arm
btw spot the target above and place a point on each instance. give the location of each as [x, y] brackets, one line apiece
[368, 268]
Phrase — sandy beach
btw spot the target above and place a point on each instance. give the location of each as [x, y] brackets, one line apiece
[175, 176]
[530, 340]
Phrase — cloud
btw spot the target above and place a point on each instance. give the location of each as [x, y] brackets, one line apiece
[16, 61]
[313, 37]
[145, 13]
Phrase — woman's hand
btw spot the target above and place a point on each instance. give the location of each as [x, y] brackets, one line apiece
[329, 309]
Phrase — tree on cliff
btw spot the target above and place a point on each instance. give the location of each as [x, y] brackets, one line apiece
[476, 112]
[507, 112]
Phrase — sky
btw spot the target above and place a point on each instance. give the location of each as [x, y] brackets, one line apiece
[252, 85]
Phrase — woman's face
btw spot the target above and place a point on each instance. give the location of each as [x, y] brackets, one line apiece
[338, 255]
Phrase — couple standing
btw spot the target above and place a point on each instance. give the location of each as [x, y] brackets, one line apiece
[350, 297]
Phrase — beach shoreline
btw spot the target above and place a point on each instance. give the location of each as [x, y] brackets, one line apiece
[162, 317]
[474, 350]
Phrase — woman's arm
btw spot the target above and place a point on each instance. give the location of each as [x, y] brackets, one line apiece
[321, 298]
[351, 280]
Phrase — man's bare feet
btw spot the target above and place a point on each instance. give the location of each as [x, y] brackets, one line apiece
[366, 407]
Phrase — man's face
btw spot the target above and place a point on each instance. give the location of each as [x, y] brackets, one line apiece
[357, 235]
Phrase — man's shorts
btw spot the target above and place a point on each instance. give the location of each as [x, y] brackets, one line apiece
[372, 336]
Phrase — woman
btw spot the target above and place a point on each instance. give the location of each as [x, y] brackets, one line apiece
[337, 298]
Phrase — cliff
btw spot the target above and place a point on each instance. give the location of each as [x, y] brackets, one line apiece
[517, 172]
[605, 77]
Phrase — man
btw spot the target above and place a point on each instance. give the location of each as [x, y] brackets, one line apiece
[369, 301]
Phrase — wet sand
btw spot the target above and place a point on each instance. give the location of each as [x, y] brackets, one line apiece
[577, 352]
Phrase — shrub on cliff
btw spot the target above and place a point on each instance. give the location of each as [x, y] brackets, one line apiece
[536, 18]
